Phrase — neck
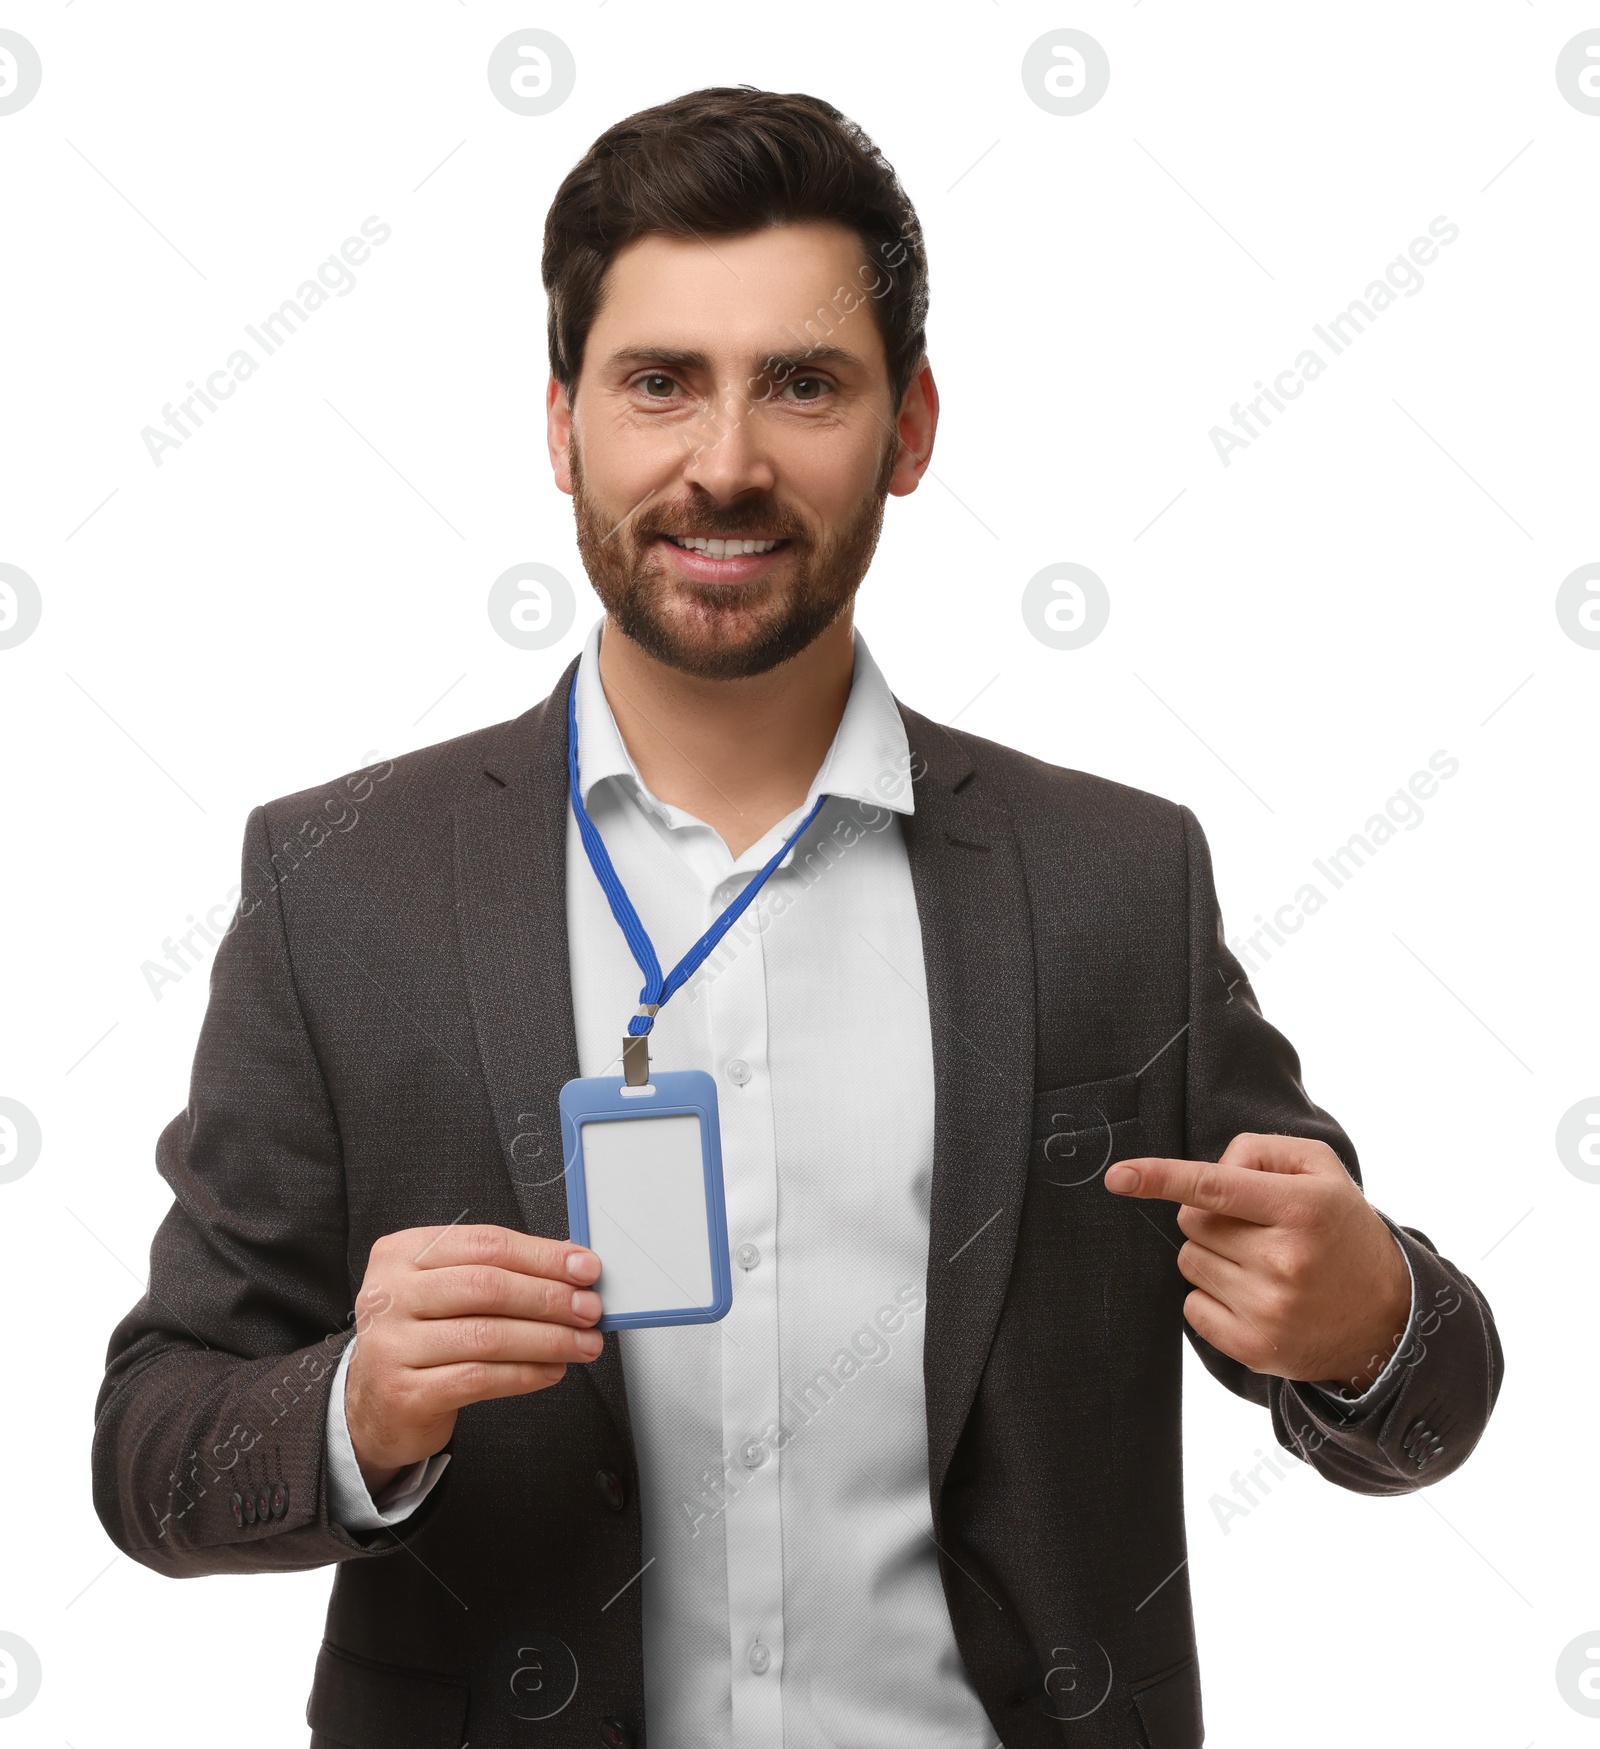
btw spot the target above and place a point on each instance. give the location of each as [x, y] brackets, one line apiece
[738, 754]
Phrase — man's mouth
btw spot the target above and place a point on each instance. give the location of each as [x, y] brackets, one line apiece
[718, 547]
[724, 560]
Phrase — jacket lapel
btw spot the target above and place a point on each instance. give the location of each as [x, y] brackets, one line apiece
[977, 946]
[511, 913]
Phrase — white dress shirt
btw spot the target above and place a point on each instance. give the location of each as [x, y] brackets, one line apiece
[792, 1597]
[791, 1593]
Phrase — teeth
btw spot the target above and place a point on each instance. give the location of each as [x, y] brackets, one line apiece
[721, 549]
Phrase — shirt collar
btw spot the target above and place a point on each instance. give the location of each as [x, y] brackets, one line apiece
[869, 761]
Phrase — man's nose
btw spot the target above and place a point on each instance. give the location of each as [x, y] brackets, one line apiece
[727, 457]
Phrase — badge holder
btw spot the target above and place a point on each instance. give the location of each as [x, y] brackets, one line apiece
[644, 1191]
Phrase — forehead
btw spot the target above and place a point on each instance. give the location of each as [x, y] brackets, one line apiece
[738, 297]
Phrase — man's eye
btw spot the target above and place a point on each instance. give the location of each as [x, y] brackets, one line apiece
[658, 386]
[806, 388]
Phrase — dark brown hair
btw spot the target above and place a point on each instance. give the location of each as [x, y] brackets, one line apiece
[724, 162]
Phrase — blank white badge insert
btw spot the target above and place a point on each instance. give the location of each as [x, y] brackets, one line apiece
[648, 1216]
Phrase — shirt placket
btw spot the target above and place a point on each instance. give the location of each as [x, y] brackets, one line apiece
[736, 995]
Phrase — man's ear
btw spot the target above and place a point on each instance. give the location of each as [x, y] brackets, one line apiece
[915, 426]
[558, 429]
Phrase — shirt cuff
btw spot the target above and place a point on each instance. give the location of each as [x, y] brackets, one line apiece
[349, 1502]
[1403, 1348]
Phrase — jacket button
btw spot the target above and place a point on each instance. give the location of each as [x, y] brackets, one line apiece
[263, 1504]
[236, 1506]
[615, 1735]
[611, 1489]
[1421, 1444]
[247, 1504]
[280, 1499]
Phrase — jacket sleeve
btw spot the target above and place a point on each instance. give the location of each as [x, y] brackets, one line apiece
[209, 1453]
[1420, 1421]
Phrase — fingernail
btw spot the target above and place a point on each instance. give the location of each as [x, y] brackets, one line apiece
[582, 1265]
[587, 1343]
[586, 1304]
[1122, 1178]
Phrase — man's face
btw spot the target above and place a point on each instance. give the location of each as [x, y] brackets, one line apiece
[714, 413]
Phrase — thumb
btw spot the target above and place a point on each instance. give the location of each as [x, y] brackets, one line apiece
[1288, 1154]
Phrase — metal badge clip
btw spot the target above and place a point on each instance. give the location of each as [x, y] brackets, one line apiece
[636, 1050]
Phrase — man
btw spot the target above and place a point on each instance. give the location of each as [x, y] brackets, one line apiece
[1000, 1116]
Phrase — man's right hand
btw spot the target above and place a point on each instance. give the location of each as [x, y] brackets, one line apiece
[454, 1315]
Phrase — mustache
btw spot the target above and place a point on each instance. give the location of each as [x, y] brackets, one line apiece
[744, 522]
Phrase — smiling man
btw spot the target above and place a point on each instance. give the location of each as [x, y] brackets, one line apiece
[1001, 1121]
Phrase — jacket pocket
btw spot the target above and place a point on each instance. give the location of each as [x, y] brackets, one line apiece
[358, 1704]
[1080, 1129]
[1168, 1705]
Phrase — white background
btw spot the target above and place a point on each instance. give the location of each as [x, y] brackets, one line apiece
[1374, 579]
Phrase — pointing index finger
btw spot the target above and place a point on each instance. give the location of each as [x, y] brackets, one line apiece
[1202, 1184]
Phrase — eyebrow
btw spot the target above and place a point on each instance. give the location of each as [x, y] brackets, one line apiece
[774, 363]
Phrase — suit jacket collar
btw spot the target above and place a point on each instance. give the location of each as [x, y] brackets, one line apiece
[510, 850]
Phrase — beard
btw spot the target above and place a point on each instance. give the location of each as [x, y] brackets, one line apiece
[725, 631]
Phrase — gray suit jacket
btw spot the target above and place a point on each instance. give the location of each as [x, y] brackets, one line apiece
[389, 1025]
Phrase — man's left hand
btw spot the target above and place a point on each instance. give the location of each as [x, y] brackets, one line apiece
[1294, 1272]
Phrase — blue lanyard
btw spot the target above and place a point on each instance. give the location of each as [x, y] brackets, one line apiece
[657, 989]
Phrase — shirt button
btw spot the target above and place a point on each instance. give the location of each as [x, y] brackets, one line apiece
[759, 1658]
[752, 1454]
[747, 1256]
[738, 1071]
